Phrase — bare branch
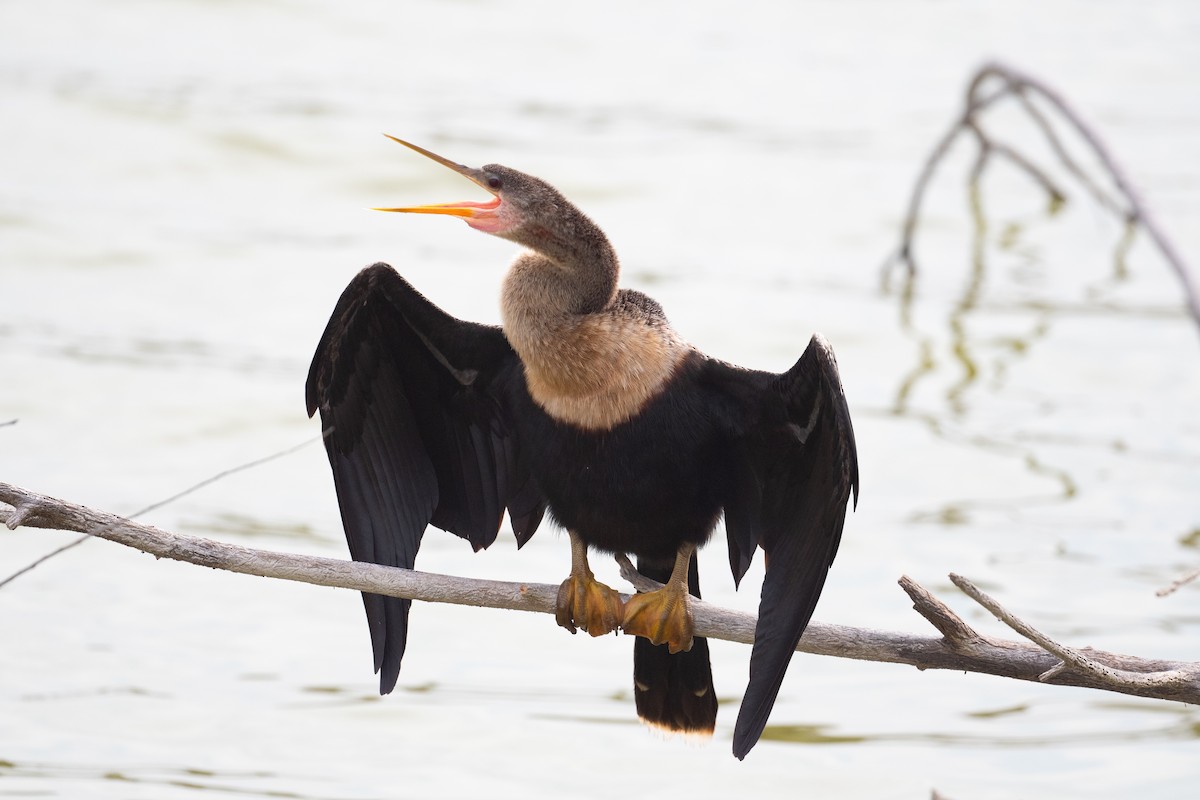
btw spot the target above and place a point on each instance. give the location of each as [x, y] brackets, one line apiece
[958, 634]
[21, 514]
[636, 579]
[1070, 657]
[959, 648]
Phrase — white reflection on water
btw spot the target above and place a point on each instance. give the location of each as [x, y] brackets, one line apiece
[183, 199]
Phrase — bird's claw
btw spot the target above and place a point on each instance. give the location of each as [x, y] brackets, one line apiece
[586, 603]
[661, 616]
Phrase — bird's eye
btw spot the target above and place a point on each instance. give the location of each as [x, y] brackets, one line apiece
[493, 182]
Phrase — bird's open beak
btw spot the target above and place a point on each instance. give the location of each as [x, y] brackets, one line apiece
[467, 209]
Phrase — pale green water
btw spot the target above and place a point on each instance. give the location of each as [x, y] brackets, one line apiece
[182, 195]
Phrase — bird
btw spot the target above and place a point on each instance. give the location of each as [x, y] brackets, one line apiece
[586, 405]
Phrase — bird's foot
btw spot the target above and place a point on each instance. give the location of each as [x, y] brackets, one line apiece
[586, 603]
[661, 616]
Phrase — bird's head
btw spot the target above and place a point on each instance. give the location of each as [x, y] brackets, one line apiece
[518, 199]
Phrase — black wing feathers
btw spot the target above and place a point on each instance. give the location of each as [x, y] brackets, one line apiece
[743, 510]
[413, 401]
[795, 468]
[416, 407]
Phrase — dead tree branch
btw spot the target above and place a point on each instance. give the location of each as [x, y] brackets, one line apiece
[1032, 94]
[959, 647]
[1071, 659]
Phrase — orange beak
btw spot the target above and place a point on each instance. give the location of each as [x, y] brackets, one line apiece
[466, 209]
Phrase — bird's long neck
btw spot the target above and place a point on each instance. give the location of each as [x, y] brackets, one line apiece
[590, 359]
[566, 271]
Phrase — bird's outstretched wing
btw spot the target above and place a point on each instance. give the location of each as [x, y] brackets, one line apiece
[413, 402]
[794, 469]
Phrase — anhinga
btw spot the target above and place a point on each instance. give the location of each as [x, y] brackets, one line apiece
[587, 404]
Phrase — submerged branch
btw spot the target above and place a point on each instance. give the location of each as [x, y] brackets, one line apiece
[1004, 81]
[958, 648]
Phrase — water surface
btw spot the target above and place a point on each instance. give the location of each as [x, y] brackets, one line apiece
[183, 198]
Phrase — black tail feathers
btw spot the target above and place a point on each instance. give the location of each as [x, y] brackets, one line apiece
[674, 692]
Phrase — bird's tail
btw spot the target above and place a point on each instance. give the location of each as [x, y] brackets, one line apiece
[674, 693]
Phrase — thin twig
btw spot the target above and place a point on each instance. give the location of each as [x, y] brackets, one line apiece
[1068, 655]
[1178, 583]
[17, 518]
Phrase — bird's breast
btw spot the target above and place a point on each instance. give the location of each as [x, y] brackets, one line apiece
[597, 371]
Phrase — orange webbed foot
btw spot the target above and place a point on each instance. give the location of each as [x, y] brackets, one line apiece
[661, 616]
[583, 602]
